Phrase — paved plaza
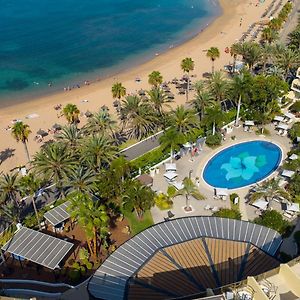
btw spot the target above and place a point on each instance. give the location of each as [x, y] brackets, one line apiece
[185, 165]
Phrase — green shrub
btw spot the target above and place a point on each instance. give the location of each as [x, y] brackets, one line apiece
[295, 131]
[228, 213]
[214, 140]
[295, 108]
[292, 165]
[74, 275]
[273, 219]
[163, 202]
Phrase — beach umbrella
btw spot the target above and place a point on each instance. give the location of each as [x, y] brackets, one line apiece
[116, 103]
[88, 114]
[141, 92]
[56, 126]
[170, 96]
[42, 133]
[104, 107]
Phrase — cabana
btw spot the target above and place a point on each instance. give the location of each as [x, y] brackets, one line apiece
[278, 119]
[221, 193]
[287, 173]
[40, 248]
[248, 124]
[58, 215]
[170, 175]
[292, 207]
[288, 117]
[282, 126]
[170, 167]
[293, 156]
[261, 204]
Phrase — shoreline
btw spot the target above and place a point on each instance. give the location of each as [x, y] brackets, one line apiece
[221, 32]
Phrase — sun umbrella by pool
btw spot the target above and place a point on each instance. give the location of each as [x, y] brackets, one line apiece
[221, 192]
[293, 207]
[293, 156]
[278, 118]
[261, 203]
[287, 173]
[170, 175]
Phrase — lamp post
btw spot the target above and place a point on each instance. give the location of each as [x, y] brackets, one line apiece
[190, 173]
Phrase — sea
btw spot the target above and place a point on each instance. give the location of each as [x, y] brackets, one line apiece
[46, 45]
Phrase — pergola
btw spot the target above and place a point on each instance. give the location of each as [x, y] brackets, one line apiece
[40, 248]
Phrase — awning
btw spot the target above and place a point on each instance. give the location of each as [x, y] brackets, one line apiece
[287, 173]
[282, 126]
[221, 192]
[40, 248]
[293, 207]
[170, 175]
[249, 123]
[170, 167]
[260, 203]
[289, 115]
[293, 156]
[279, 118]
[58, 214]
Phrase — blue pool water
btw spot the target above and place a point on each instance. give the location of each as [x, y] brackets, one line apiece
[242, 164]
[68, 41]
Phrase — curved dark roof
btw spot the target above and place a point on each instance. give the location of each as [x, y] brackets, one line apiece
[111, 279]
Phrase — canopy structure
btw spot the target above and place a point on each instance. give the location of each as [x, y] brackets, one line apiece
[282, 126]
[171, 167]
[170, 175]
[289, 115]
[261, 203]
[40, 248]
[279, 118]
[249, 123]
[221, 192]
[58, 214]
[287, 173]
[293, 156]
[293, 207]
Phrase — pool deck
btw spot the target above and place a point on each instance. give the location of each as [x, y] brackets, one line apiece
[184, 165]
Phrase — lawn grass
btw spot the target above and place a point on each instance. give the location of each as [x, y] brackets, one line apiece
[136, 225]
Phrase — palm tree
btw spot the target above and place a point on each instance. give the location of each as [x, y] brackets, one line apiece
[202, 100]
[138, 116]
[187, 65]
[184, 119]
[101, 123]
[171, 139]
[240, 87]
[155, 79]
[54, 162]
[287, 59]
[214, 116]
[294, 39]
[9, 188]
[159, 100]
[121, 167]
[138, 198]
[213, 53]
[20, 132]
[189, 189]
[97, 151]
[266, 54]
[118, 90]
[269, 35]
[251, 53]
[218, 86]
[71, 113]
[235, 50]
[269, 190]
[10, 213]
[92, 217]
[199, 86]
[69, 135]
[81, 180]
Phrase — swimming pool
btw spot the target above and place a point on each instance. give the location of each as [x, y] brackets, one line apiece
[242, 164]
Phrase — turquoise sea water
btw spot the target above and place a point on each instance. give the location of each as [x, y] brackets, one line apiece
[68, 41]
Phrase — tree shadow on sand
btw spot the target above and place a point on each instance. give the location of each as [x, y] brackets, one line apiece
[6, 154]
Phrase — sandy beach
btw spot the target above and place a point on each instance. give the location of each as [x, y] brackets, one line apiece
[224, 31]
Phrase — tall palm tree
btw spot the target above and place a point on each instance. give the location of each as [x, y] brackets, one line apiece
[218, 86]
[235, 50]
[118, 90]
[159, 100]
[10, 213]
[184, 119]
[54, 162]
[189, 189]
[287, 59]
[69, 135]
[9, 188]
[199, 86]
[121, 167]
[92, 217]
[269, 190]
[97, 151]
[138, 116]
[20, 132]
[214, 116]
[202, 100]
[267, 53]
[101, 123]
[187, 65]
[240, 88]
[81, 180]
[269, 35]
[213, 53]
[155, 79]
[71, 113]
